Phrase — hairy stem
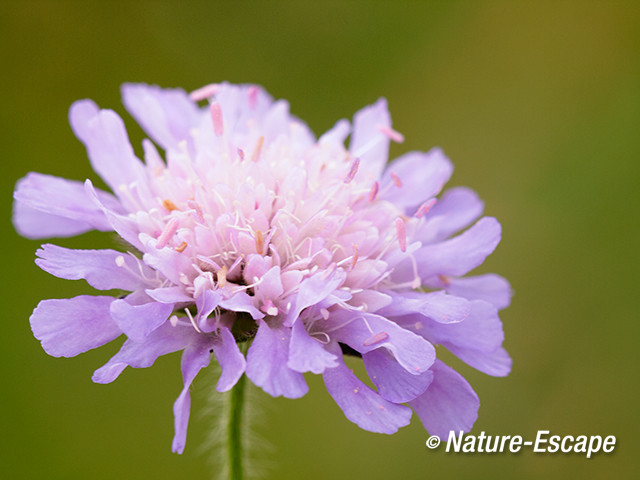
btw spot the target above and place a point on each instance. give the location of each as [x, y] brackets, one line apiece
[234, 430]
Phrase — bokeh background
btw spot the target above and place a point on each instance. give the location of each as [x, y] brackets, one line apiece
[536, 103]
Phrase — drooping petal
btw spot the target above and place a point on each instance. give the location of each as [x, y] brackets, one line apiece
[307, 354]
[163, 340]
[496, 363]
[448, 404]
[393, 382]
[456, 209]
[167, 115]
[438, 306]
[230, 358]
[267, 363]
[365, 332]
[102, 269]
[489, 287]
[69, 326]
[415, 177]
[48, 206]
[125, 226]
[138, 321]
[313, 290]
[360, 404]
[194, 358]
[461, 254]
[368, 143]
[108, 147]
[241, 302]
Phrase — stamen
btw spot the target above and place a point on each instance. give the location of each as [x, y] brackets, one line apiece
[325, 313]
[374, 191]
[391, 133]
[168, 232]
[241, 154]
[222, 277]
[424, 208]
[181, 248]
[402, 234]
[352, 171]
[253, 96]
[256, 151]
[377, 338]
[120, 261]
[169, 205]
[204, 92]
[396, 180]
[216, 117]
[193, 322]
[445, 280]
[259, 242]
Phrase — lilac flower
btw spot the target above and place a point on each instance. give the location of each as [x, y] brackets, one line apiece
[250, 229]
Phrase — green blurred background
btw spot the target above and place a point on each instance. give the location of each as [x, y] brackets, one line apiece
[536, 103]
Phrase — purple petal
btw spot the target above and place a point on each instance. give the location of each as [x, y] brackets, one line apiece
[166, 260]
[306, 354]
[360, 404]
[418, 177]
[108, 147]
[267, 363]
[102, 269]
[169, 295]
[337, 134]
[449, 404]
[496, 363]
[163, 340]
[69, 326]
[194, 358]
[138, 321]
[438, 306]
[167, 115]
[481, 330]
[48, 206]
[230, 358]
[455, 210]
[125, 226]
[460, 254]
[368, 143]
[365, 332]
[242, 302]
[489, 287]
[313, 290]
[393, 382]
[207, 303]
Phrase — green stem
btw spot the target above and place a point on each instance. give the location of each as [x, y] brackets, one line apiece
[234, 430]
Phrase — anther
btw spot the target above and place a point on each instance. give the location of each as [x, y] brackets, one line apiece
[253, 96]
[181, 248]
[169, 205]
[256, 151]
[377, 338]
[396, 180]
[120, 261]
[168, 232]
[204, 92]
[391, 133]
[424, 208]
[222, 276]
[216, 117]
[402, 234]
[259, 242]
[352, 171]
[240, 154]
[354, 259]
[374, 191]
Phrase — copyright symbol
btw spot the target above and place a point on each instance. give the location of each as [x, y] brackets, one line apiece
[433, 441]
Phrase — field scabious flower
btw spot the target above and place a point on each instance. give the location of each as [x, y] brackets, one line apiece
[250, 229]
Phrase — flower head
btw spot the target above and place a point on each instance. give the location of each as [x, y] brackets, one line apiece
[250, 229]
